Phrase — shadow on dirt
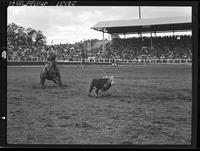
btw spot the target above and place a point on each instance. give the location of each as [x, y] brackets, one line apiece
[53, 86]
[110, 96]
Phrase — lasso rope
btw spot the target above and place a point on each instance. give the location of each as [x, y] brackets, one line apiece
[99, 68]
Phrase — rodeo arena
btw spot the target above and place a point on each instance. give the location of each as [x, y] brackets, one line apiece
[122, 90]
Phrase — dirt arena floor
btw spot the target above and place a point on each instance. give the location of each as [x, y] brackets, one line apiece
[148, 104]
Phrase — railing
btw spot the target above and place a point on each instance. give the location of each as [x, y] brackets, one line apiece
[140, 60]
[127, 61]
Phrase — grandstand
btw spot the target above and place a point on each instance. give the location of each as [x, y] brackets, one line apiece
[152, 49]
[168, 47]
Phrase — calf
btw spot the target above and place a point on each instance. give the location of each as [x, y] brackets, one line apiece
[102, 84]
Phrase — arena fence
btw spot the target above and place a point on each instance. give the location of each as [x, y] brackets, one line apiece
[104, 61]
[140, 60]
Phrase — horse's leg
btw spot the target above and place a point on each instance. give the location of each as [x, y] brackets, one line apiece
[42, 80]
[59, 80]
[55, 80]
[58, 76]
[43, 75]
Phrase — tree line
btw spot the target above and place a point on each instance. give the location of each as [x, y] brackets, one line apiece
[24, 41]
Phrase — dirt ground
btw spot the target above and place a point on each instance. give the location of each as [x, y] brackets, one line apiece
[148, 104]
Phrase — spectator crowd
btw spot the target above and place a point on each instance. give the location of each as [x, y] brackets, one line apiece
[168, 47]
[29, 45]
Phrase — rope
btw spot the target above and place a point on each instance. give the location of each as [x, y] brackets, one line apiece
[96, 66]
[100, 69]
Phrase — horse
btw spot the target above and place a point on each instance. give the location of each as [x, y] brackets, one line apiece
[50, 72]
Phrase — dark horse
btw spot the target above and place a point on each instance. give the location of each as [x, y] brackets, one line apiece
[50, 72]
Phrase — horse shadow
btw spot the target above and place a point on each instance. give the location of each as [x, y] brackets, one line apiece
[49, 86]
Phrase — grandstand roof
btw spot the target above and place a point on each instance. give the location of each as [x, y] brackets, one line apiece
[144, 25]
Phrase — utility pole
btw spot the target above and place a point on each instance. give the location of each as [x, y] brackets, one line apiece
[140, 18]
[140, 32]
[83, 52]
[139, 13]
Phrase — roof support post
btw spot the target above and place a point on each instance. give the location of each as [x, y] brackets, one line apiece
[139, 13]
[140, 39]
[103, 40]
[83, 51]
[151, 41]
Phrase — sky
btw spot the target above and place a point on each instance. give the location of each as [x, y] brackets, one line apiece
[70, 24]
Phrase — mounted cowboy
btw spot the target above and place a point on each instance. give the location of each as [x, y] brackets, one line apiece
[50, 70]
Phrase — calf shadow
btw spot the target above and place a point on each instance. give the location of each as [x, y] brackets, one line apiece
[109, 96]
